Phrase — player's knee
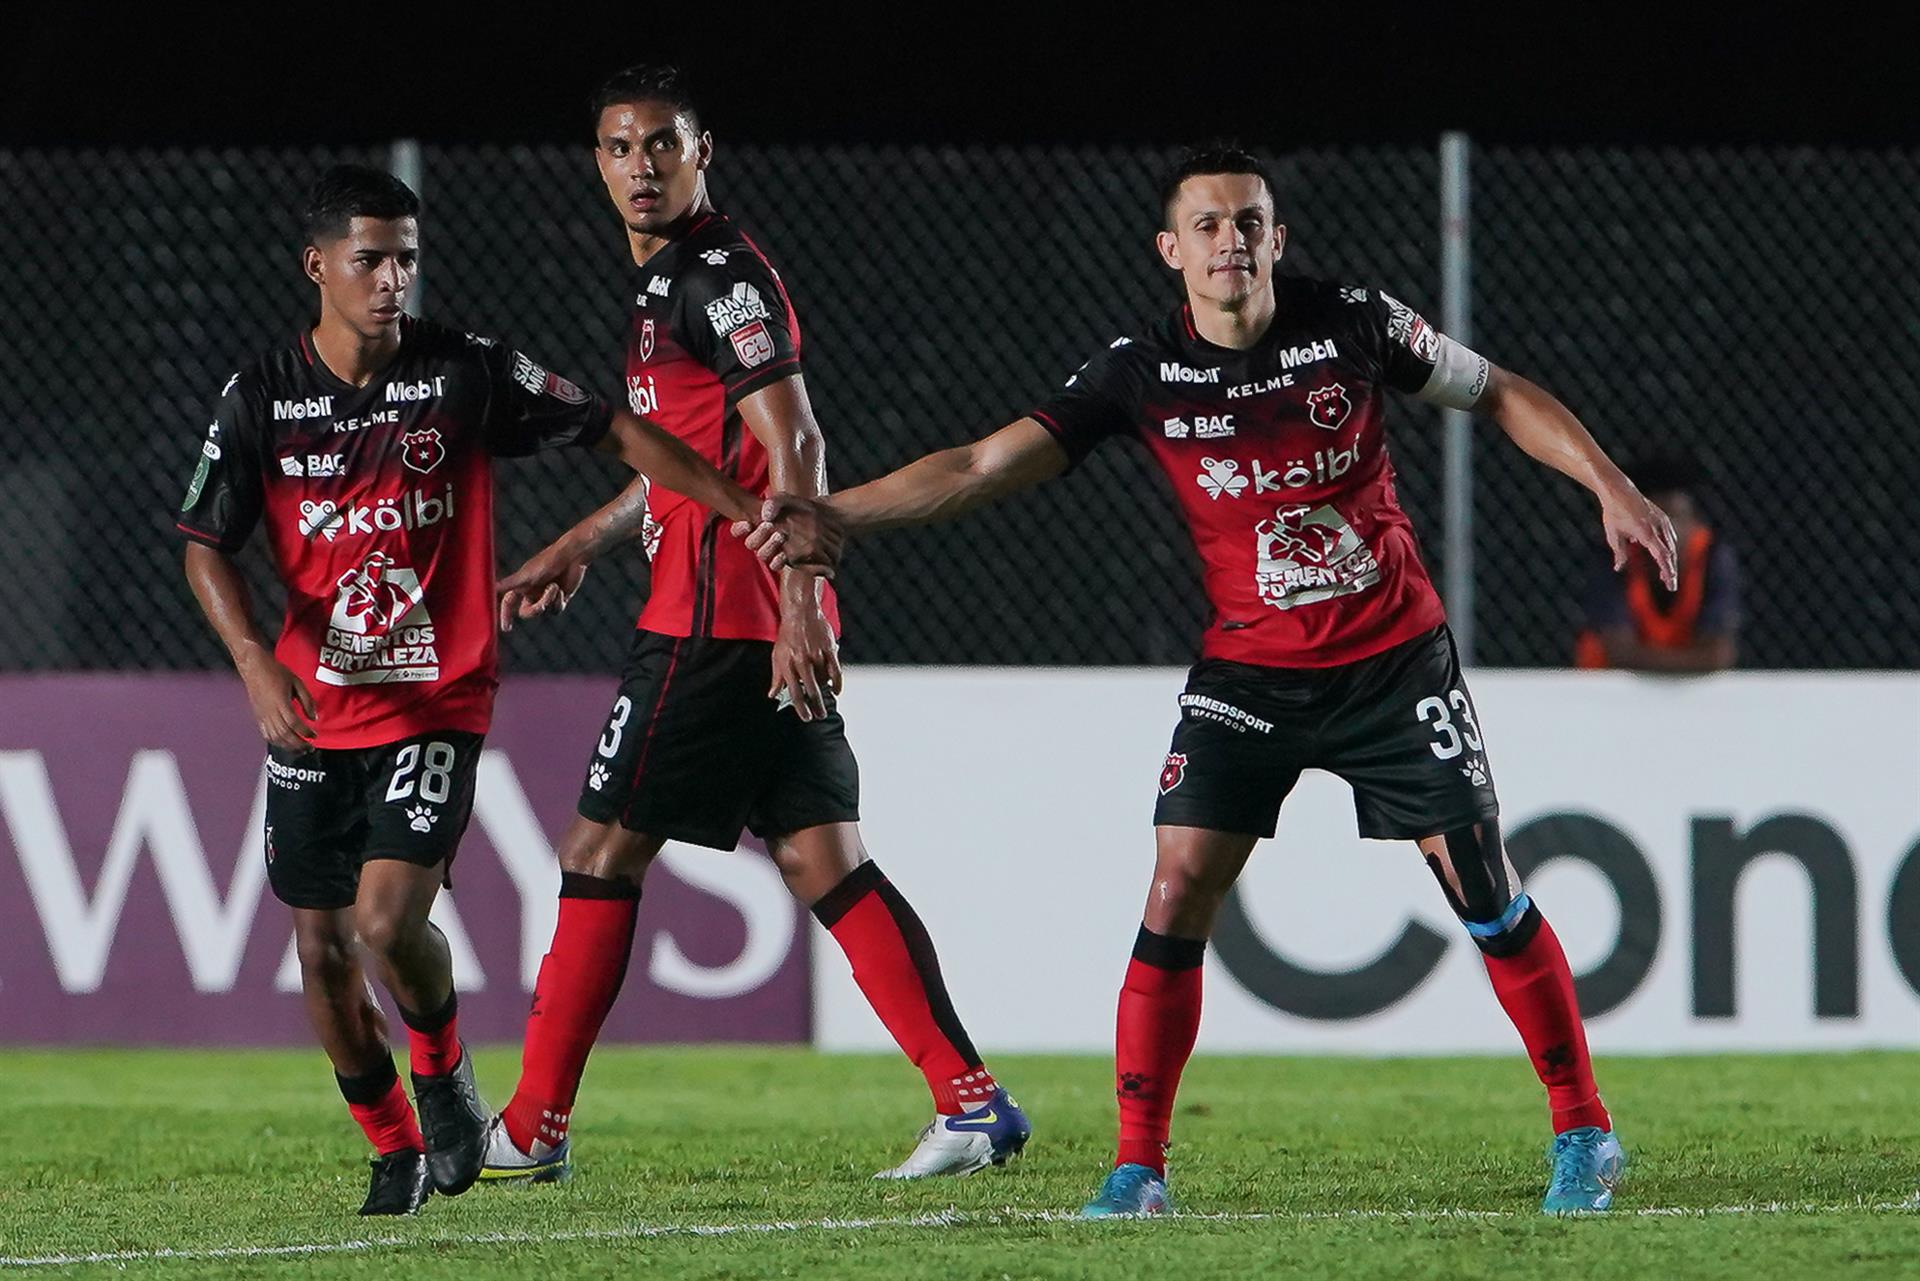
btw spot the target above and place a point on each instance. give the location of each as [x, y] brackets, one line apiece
[1191, 875]
[1187, 893]
[820, 860]
[389, 933]
[606, 851]
[1471, 866]
[326, 956]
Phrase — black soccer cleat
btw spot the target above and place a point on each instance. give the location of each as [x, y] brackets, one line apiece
[454, 1121]
[400, 1184]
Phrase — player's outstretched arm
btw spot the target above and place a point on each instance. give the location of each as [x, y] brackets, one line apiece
[806, 657]
[277, 696]
[549, 578]
[666, 460]
[941, 486]
[1549, 433]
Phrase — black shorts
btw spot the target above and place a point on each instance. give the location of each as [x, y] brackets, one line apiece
[1399, 727]
[694, 750]
[329, 810]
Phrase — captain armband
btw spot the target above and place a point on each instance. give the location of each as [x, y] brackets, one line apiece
[1459, 376]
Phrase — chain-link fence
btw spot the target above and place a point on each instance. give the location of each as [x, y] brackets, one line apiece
[1750, 306]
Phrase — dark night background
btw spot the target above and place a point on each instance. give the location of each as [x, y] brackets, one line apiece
[1685, 219]
[1345, 72]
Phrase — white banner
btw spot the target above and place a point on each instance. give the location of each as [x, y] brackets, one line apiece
[1731, 862]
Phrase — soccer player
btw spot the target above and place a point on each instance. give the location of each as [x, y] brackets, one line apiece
[1263, 400]
[720, 721]
[365, 443]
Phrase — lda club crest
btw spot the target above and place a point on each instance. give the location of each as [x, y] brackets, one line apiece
[422, 450]
[646, 339]
[1328, 406]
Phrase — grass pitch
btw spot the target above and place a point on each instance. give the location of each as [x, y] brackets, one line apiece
[722, 1163]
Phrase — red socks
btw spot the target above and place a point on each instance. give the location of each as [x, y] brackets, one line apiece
[578, 982]
[1535, 987]
[1158, 1022]
[433, 1040]
[895, 967]
[380, 1107]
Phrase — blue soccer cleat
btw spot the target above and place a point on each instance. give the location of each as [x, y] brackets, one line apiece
[1587, 1163]
[1130, 1192]
[990, 1134]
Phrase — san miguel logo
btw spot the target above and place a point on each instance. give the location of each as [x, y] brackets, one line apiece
[422, 450]
[1328, 406]
[1174, 772]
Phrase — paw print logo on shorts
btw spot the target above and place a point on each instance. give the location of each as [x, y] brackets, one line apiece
[1475, 773]
[421, 819]
[597, 776]
[714, 257]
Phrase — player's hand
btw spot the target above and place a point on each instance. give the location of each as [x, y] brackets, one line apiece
[544, 585]
[806, 664]
[282, 707]
[804, 533]
[1629, 520]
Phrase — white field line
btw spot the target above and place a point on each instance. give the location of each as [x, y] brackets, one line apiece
[945, 1219]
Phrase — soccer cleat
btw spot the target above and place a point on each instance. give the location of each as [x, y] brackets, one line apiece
[505, 1163]
[1587, 1163]
[400, 1184]
[1130, 1192]
[454, 1121]
[990, 1134]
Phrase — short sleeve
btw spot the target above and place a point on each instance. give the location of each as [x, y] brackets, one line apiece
[1405, 346]
[531, 408]
[225, 496]
[1093, 405]
[736, 320]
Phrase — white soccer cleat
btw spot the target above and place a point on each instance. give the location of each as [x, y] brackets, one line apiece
[991, 1134]
[547, 1163]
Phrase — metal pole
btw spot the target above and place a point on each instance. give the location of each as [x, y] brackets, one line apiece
[1456, 321]
[403, 162]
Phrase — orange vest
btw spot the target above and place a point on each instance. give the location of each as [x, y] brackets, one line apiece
[1671, 629]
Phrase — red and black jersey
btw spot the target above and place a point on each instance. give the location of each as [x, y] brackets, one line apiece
[378, 503]
[1278, 455]
[711, 326]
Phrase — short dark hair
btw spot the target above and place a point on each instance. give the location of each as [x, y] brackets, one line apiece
[346, 192]
[646, 82]
[1667, 472]
[1215, 157]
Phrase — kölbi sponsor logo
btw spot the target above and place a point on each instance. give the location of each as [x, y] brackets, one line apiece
[642, 396]
[311, 407]
[424, 389]
[414, 509]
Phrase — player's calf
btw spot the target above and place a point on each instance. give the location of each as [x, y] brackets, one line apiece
[1534, 984]
[976, 1123]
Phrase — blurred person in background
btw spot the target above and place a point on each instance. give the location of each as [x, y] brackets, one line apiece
[1632, 621]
